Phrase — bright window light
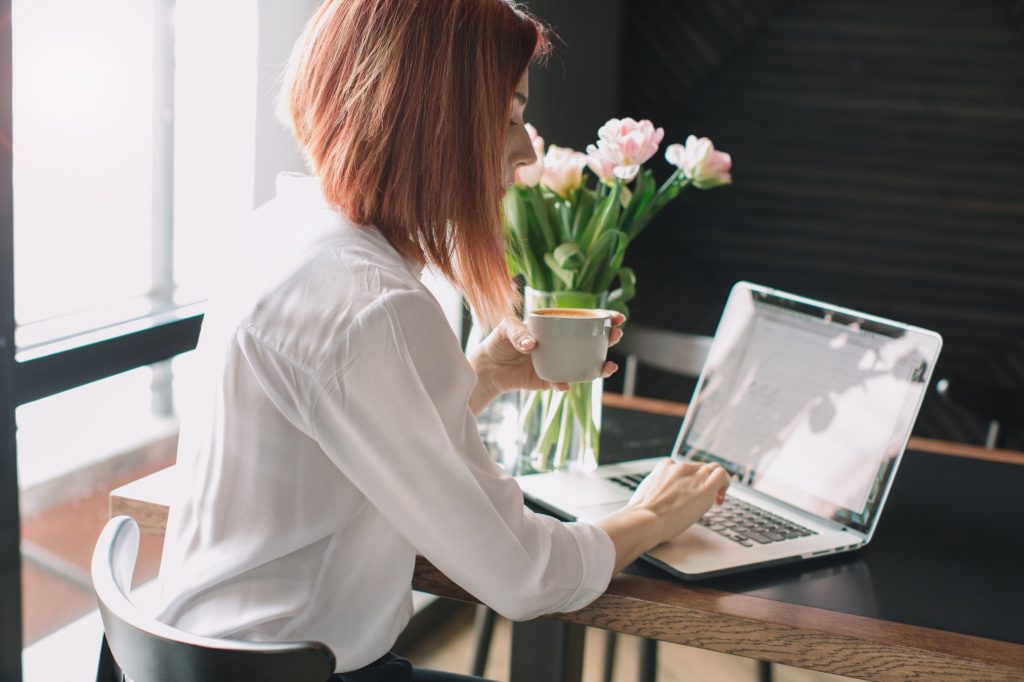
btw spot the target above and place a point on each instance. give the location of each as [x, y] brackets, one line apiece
[82, 99]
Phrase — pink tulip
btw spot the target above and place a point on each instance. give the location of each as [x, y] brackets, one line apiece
[602, 162]
[700, 163]
[623, 145]
[563, 170]
[529, 176]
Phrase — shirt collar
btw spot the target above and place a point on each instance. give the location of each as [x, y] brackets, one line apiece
[305, 190]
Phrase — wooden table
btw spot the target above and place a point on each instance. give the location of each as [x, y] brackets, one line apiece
[809, 615]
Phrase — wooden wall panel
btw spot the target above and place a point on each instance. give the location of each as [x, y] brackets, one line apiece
[879, 164]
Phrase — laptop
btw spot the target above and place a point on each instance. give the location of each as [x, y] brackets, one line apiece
[808, 407]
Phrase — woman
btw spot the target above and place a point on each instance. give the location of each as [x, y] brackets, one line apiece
[334, 437]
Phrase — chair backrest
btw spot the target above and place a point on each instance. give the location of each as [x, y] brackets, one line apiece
[1001, 406]
[147, 650]
[670, 351]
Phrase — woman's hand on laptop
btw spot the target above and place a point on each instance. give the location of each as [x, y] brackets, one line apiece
[671, 499]
[680, 493]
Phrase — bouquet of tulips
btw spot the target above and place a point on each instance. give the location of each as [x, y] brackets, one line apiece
[563, 235]
[568, 239]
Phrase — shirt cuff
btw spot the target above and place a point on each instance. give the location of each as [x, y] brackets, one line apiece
[597, 554]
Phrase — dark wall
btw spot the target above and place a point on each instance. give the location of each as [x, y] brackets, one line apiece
[580, 87]
[879, 164]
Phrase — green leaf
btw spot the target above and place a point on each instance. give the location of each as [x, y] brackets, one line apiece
[515, 214]
[562, 212]
[520, 258]
[522, 261]
[556, 205]
[606, 215]
[607, 275]
[569, 256]
[526, 236]
[513, 259]
[627, 287]
[626, 292]
[600, 257]
[537, 210]
[643, 194]
[584, 202]
[558, 271]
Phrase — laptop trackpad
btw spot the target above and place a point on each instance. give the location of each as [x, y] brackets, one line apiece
[573, 489]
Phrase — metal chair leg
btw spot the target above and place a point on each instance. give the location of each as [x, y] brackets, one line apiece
[483, 630]
[764, 671]
[106, 669]
[610, 640]
[546, 650]
[648, 660]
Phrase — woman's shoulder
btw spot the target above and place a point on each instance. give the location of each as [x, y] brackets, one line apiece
[346, 279]
[301, 276]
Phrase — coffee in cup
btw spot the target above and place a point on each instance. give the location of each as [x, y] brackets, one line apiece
[572, 343]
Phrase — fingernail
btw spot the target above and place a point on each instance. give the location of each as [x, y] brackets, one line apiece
[526, 342]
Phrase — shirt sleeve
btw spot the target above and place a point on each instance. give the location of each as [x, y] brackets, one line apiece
[395, 419]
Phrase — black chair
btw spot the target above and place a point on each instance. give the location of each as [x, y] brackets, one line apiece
[1001, 407]
[138, 648]
[673, 352]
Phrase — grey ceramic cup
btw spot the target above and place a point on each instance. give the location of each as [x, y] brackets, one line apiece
[572, 343]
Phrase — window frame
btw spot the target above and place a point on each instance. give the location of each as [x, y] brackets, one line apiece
[10, 517]
[29, 374]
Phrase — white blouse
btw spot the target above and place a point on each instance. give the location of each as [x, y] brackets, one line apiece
[330, 441]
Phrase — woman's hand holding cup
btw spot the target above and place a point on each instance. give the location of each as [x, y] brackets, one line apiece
[503, 361]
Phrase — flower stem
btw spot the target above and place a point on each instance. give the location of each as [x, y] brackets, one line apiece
[564, 436]
[528, 410]
[672, 179]
[550, 429]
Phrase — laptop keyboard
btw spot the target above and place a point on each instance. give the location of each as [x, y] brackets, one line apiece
[738, 521]
[746, 524]
[631, 481]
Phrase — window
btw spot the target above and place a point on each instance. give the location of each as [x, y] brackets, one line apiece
[134, 125]
[144, 136]
[83, 129]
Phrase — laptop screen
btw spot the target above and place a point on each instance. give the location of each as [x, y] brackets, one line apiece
[810, 404]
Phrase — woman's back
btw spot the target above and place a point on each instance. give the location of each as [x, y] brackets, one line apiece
[265, 515]
[330, 425]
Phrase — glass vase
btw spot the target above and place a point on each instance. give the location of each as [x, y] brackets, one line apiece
[560, 430]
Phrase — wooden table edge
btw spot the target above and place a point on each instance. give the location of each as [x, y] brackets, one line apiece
[146, 501]
[788, 633]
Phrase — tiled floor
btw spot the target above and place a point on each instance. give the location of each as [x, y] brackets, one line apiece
[69, 531]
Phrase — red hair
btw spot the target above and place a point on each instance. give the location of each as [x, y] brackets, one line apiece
[402, 108]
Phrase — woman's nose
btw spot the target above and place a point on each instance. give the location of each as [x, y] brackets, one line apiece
[521, 151]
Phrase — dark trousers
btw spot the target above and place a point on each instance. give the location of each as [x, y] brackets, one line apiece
[392, 668]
